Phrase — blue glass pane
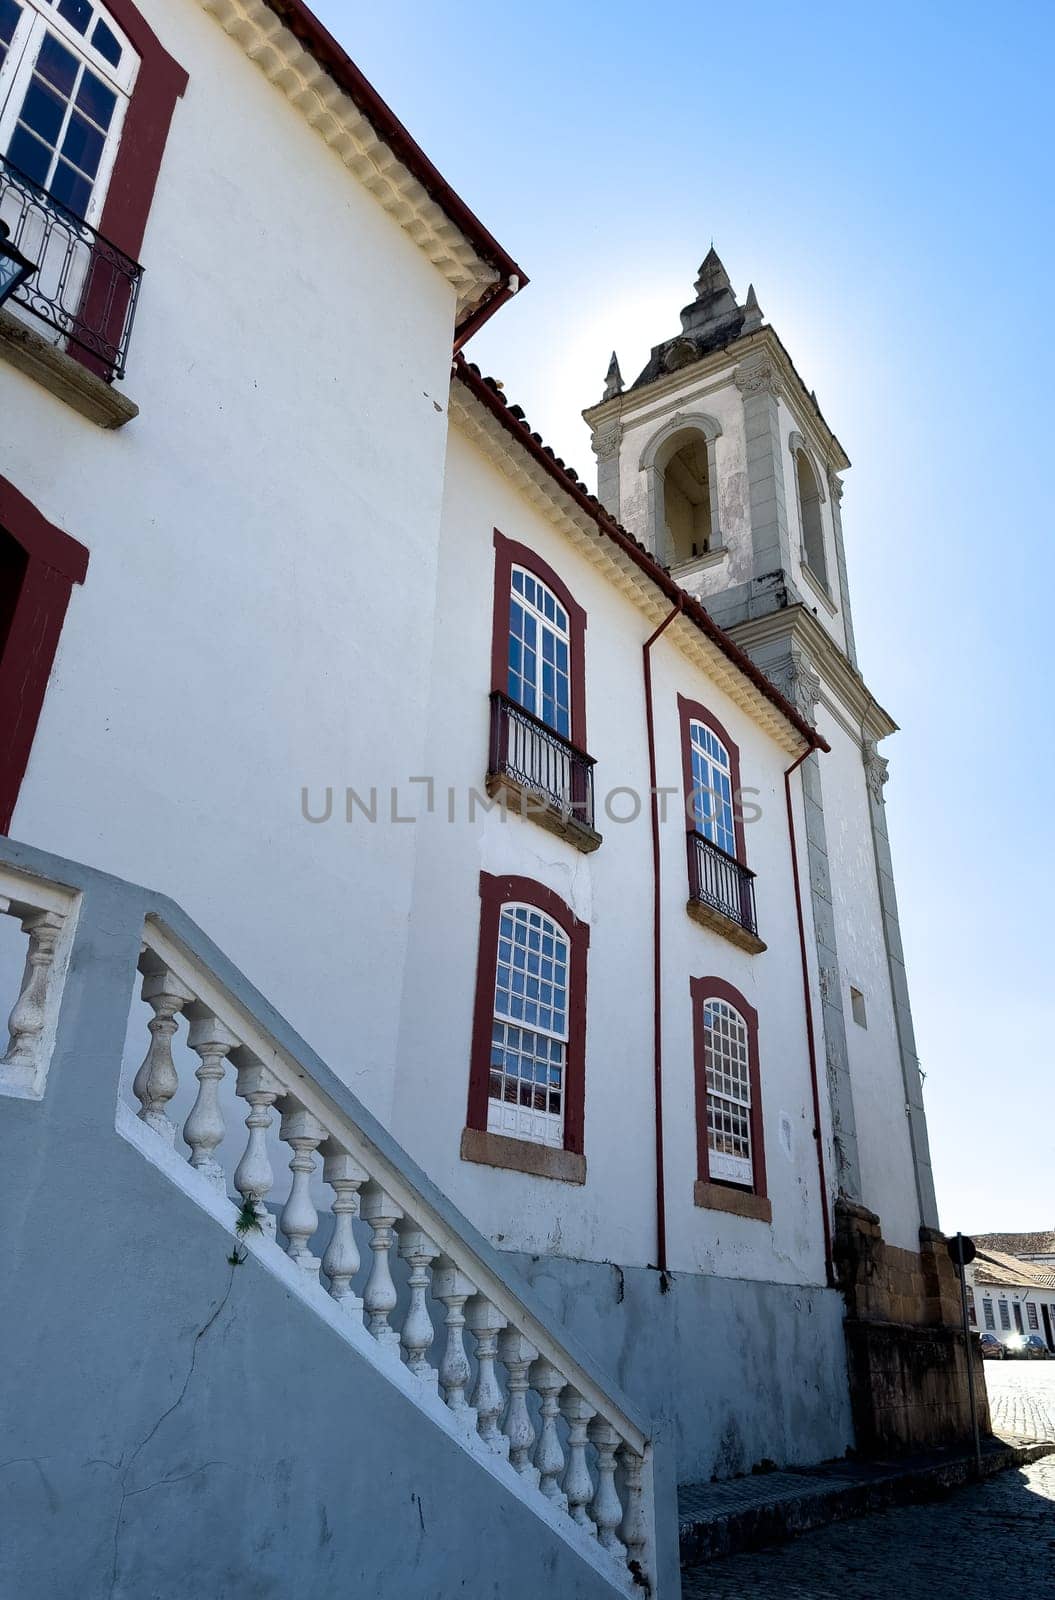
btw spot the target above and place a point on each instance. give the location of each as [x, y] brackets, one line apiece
[29, 155]
[106, 43]
[78, 13]
[58, 65]
[9, 15]
[96, 100]
[71, 189]
[83, 145]
[43, 110]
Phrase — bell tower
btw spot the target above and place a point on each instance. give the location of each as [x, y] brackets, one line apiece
[718, 459]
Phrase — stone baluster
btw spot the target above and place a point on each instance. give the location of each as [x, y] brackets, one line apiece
[300, 1220]
[341, 1261]
[203, 1130]
[379, 1296]
[578, 1485]
[157, 1080]
[419, 1252]
[516, 1355]
[634, 1529]
[605, 1507]
[549, 1456]
[485, 1324]
[26, 1022]
[452, 1288]
[253, 1176]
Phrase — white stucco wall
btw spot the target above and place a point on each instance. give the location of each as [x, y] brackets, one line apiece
[613, 1216]
[258, 607]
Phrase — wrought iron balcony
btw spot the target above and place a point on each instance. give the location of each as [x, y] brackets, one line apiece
[553, 780]
[84, 288]
[722, 893]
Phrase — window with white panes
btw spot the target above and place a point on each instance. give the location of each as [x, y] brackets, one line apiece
[987, 1315]
[712, 787]
[1005, 1315]
[1031, 1317]
[539, 652]
[529, 1037]
[728, 1094]
[66, 75]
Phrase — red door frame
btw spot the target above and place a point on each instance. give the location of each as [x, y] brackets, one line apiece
[54, 563]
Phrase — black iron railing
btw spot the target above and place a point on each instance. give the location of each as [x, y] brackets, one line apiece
[720, 881]
[84, 287]
[542, 764]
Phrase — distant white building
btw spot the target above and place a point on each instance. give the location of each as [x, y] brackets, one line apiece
[1013, 1296]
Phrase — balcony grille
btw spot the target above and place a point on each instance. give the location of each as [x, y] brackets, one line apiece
[85, 289]
[540, 762]
[720, 881]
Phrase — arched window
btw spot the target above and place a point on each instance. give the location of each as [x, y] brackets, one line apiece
[721, 885]
[810, 520]
[65, 81]
[526, 1075]
[529, 1033]
[682, 486]
[728, 1098]
[712, 786]
[539, 669]
[538, 753]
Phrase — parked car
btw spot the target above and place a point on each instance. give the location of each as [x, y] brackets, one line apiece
[992, 1349]
[1035, 1348]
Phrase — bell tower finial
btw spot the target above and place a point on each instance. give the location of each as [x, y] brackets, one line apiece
[613, 383]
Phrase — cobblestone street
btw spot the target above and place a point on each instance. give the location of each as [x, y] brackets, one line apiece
[1022, 1400]
[991, 1538]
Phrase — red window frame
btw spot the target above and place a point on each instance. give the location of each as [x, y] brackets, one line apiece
[692, 711]
[509, 554]
[702, 990]
[160, 82]
[51, 564]
[495, 892]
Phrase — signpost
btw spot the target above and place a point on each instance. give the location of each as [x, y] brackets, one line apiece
[963, 1253]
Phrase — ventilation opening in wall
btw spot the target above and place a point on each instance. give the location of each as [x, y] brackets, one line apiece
[857, 1006]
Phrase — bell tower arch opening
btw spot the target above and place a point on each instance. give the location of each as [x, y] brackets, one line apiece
[683, 490]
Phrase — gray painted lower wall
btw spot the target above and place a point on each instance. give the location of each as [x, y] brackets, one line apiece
[734, 1372]
[174, 1426]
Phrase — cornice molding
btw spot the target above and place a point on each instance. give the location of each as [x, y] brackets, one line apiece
[337, 120]
[867, 720]
[766, 346]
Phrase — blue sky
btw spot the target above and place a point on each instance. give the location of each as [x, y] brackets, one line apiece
[883, 177]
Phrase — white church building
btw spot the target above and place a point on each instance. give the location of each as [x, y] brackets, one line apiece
[511, 861]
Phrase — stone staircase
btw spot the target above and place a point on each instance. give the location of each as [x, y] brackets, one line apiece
[133, 1039]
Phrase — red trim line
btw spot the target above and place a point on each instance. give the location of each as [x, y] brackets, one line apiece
[509, 554]
[657, 947]
[52, 564]
[692, 711]
[811, 1042]
[702, 990]
[495, 893]
[160, 82]
[492, 400]
[321, 44]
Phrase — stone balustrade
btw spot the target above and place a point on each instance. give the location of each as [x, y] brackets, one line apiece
[356, 1230]
[44, 915]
